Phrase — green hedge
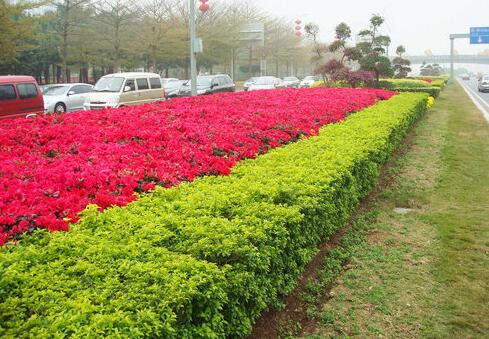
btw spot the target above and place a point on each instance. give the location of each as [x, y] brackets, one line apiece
[404, 83]
[432, 91]
[204, 259]
[442, 79]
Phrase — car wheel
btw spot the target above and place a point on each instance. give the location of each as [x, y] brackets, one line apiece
[60, 108]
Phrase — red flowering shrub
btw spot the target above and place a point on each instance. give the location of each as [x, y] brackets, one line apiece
[52, 167]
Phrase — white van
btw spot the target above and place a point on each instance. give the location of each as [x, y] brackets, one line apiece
[125, 89]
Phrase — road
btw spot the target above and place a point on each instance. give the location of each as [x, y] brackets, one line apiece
[480, 99]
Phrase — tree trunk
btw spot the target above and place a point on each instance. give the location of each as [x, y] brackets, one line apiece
[59, 75]
[46, 75]
[250, 62]
[64, 46]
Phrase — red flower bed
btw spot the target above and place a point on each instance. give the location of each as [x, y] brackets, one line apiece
[52, 167]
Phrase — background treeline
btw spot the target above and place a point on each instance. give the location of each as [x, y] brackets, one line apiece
[81, 40]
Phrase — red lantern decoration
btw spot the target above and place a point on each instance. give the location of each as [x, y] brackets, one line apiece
[298, 33]
[204, 7]
[298, 22]
[298, 28]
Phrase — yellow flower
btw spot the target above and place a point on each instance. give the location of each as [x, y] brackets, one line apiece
[431, 102]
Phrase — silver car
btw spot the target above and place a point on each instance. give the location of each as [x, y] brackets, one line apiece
[292, 82]
[173, 87]
[63, 98]
[484, 84]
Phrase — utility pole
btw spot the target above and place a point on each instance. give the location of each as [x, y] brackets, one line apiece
[452, 58]
[193, 56]
[452, 52]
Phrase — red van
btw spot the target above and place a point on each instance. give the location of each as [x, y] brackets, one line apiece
[20, 96]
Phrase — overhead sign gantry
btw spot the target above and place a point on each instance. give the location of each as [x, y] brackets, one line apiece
[478, 35]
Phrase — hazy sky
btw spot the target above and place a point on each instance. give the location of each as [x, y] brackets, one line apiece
[417, 24]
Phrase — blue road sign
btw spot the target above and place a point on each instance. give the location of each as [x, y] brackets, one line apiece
[479, 35]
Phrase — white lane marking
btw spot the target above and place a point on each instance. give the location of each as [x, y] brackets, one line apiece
[477, 99]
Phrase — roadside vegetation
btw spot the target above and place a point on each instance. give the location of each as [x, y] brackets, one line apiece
[206, 258]
[416, 262]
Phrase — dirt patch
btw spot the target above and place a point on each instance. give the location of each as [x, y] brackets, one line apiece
[294, 314]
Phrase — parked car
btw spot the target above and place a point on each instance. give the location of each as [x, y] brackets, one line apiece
[308, 81]
[166, 81]
[484, 84]
[465, 77]
[248, 83]
[209, 84]
[125, 89]
[292, 82]
[267, 83]
[172, 88]
[20, 96]
[44, 88]
[63, 98]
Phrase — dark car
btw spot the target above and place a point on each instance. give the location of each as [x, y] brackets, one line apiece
[209, 84]
[20, 96]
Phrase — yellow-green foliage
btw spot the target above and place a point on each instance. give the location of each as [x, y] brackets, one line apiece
[431, 91]
[442, 78]
[332, 84]
[204, 259]
[408, 83]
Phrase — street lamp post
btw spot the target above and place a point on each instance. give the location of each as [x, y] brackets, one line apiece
[193, 56]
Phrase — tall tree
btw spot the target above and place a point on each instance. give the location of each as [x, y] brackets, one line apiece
[401, 65]
[312, 32]
[374, 47]
[67, 22]
[15, 30]
[118, 20]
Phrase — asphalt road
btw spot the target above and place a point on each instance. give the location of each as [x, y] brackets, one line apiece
[480, 99]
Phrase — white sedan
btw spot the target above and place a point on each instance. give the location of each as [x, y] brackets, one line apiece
[308, 81]
[61, 98]
[266, 83]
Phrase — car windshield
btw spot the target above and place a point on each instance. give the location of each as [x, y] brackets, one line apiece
[204, 81]
[264, 81]
[485, 78]
[175, 84]
[310, 78]
[110, 84]
[56, 90]
[290, 79]
[168, 81]
[251, 80]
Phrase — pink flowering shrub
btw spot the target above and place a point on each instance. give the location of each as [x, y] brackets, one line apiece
[53, 166]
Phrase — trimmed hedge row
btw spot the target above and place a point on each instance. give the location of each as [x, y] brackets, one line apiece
[204, 259]
[432, 91]
[404, 83]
